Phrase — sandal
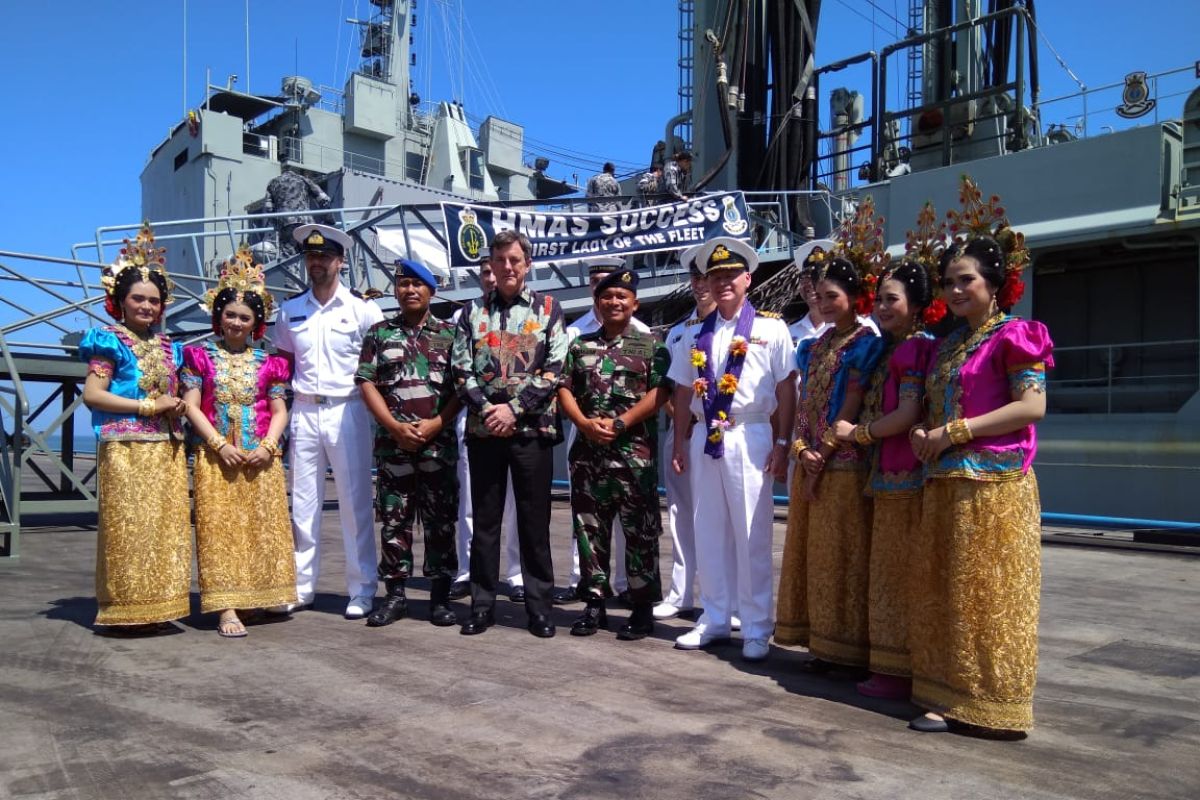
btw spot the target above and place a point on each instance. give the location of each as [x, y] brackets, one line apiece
[231, 628]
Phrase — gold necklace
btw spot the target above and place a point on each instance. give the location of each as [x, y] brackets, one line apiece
[236, 379]
[156, 378]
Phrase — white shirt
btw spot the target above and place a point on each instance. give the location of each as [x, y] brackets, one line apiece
[325, 339]
[589, 324]
[768, 361]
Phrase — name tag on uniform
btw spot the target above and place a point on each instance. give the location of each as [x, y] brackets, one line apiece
[297, 319]
[637, 349]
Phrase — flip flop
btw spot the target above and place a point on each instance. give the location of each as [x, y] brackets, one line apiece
[237, 634]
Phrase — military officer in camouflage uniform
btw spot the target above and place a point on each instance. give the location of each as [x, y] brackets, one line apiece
[614, 382]
[601, 186]
[404, 376]
[677, 175]
[291, 191]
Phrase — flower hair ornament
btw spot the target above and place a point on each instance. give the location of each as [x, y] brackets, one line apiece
[925, 247]
[245, 277]
[978, 219]
[140, 254]
[859, 240]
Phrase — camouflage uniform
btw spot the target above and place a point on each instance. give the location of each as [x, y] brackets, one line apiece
[601, 186]
[619, 479]
[675, 181]
[411, 369]
[290, 191]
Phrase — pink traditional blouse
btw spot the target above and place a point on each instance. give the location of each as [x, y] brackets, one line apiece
[974, 372]
[235, 389]
[900, 375]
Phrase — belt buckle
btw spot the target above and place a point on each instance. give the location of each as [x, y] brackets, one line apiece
[320, 399]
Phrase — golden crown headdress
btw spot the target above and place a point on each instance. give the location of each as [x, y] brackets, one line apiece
[925, 247]
[859, 240]
[244, 276]
[141, 254]
[978, 218]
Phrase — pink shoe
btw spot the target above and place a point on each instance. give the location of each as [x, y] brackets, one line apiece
[887, 687]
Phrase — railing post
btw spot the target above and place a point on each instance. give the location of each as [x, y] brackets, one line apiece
[1108, 367]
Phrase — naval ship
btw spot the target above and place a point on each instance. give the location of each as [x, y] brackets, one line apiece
[1108, 199]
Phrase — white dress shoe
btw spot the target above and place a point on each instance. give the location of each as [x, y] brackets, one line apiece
[755, 650]
[288, 608]
[360, 606]
[735, 624]
[665, 610]
[700, 637]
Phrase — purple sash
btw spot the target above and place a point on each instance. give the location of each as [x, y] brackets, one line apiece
[716, 403]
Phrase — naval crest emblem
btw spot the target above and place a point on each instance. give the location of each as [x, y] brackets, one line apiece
[1136, 97]
[470, 235]
[733, 222]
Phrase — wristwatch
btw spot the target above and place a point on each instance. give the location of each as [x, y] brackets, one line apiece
[619, 425]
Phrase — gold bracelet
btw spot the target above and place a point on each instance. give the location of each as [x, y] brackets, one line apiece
[862, 434]
[959, 431]
[269, 444]
[146, 407]
[798, 447]
[829, 438]
[216, 442]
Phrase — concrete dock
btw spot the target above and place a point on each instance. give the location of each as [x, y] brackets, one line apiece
[316, 706]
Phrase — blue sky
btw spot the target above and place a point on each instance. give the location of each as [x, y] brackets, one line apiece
[93, 86]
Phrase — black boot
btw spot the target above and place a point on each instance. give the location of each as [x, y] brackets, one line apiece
[594, 617]
[440, 613]
[393, 607]
[640, 625]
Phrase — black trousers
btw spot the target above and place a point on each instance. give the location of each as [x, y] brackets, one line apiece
[531, 462]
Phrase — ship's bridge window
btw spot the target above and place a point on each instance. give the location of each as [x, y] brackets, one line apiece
[1125, 324]
[472, 165]
[414, 166]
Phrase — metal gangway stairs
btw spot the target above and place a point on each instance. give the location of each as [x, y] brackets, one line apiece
[47, 458]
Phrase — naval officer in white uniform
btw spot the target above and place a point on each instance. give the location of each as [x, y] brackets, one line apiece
[599, 268]
[732, 459]
[321, 331]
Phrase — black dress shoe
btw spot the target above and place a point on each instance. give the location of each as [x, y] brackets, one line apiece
[640, 625]
[594, 617]
[817, 666]
[460, 589]
[926, 725]
[442, 615]
[517, 594]
[394, 607]
[539, 625]
[563, 597]
[478, 622]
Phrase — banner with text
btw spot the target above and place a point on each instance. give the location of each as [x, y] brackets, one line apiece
[560, 236]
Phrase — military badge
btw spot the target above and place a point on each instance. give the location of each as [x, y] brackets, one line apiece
[734, 224]
[471, 238]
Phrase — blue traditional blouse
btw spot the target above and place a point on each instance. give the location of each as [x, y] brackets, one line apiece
[138, 369]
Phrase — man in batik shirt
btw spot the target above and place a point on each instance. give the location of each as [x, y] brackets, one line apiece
[508, 355]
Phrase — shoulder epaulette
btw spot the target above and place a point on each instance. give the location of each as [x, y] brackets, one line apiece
[357, 294]
[692, 322]
[769, 314]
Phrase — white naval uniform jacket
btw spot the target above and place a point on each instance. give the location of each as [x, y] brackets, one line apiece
[326, 340]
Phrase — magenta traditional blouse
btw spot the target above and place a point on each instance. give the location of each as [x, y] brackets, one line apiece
[974, 372]
[895, 470]
[235, 389]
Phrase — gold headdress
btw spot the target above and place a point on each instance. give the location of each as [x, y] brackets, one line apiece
[978, 218]
[925, 247]
[244, 276]
[141, 254]
[859, 240]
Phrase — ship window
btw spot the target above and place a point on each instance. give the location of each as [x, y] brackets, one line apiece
[472, 164]
[1125, 325]
[181, 159]
[414, 166]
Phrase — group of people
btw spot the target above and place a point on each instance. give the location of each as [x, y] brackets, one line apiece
[912, 551]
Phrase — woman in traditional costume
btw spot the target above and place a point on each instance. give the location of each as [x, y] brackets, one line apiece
[823, 583]
[977, 559]
[235, 402]
[144, 542]
[892, 404]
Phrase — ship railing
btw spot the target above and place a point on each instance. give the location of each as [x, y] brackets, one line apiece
[1094, 110]
[14, 408]
[1140, 377]
[959, 127]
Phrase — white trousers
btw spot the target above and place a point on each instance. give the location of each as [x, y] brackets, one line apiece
[734, 524]
[619, 580]
[683, 527]
[466, 519]
[338, 436]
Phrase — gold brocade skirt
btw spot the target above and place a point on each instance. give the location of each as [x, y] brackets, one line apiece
[976, 583]
[839, 555]
[791, 607]
[243, 535]
[894, 523]
[144, 542]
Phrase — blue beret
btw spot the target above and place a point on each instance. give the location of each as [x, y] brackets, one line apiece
[413, 269]
[623, 278]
